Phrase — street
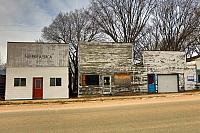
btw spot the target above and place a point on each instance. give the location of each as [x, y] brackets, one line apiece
[162, 117]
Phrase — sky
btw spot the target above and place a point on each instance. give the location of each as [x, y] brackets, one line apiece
[23, 20]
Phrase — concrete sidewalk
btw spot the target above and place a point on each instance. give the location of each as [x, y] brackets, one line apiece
[103, 98]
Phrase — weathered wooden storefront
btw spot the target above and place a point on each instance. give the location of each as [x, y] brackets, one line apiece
[105, 68]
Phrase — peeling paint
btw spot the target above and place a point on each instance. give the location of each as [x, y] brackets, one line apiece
[159, 62]
[105, 59]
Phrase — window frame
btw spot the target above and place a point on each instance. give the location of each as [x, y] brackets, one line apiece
[55, 82]
[105, 79]
[22, 82]
[58, 81]
[85, 79]
[198, 78]
[52, 82]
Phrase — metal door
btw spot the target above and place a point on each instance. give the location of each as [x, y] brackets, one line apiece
[151, 83]
[37, 88]
[168, 83]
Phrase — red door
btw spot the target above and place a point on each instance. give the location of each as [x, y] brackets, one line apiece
[37, 88]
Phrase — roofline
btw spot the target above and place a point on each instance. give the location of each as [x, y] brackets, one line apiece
[104, 43]
[161, 51]
[34, 42]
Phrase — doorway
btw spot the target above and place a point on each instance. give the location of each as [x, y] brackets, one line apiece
[37, 88]
[168, 83]
[151, 83]
[106, 84]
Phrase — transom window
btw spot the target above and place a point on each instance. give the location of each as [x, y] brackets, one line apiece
[19, 81]
[55, 81]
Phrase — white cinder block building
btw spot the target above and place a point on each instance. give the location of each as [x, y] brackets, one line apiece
[36, 71]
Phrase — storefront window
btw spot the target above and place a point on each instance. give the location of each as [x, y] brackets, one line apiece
[90, 80]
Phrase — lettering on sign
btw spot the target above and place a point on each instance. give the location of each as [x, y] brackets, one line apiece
[190, 78]
[31, 56]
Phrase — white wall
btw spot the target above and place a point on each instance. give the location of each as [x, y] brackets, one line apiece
[190, 77]
[198, 63]
[30, 72]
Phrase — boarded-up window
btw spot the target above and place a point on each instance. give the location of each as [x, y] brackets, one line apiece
[90, 80]
[122, 79]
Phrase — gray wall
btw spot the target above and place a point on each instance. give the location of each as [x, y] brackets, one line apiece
[31, 54]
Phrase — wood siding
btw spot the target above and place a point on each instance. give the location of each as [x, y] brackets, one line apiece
[104, 59]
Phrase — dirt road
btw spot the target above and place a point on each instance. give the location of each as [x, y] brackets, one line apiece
[152, 115]
[104, 102]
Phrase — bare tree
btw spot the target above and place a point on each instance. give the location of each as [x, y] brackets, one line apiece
[193, 43]
[174, 25]
[70, 28]
[147, 40]
[122, 20]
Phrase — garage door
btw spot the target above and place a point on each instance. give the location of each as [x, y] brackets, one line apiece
[167, 83]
